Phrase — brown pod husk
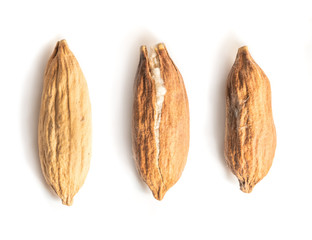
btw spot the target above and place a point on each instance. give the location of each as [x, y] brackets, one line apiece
[250, 136]
[160, 126]
[64, 131]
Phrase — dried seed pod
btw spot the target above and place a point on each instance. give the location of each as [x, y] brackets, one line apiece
[64, 131]
[250, 136]
[160, 132]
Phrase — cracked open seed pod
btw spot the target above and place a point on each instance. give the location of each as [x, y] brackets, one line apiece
[160, 124]
[250, 136]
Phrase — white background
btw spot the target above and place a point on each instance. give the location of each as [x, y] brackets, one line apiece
[202, 38]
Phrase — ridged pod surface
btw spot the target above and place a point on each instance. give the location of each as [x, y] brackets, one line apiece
[160, 126]
[250, 136]
[64, 131]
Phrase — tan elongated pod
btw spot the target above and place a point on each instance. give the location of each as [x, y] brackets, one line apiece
[250, 135]
[64, 130]
[160, 124]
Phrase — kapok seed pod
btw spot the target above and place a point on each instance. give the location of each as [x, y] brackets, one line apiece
[160, 126]
[64, 131]
[250, 136]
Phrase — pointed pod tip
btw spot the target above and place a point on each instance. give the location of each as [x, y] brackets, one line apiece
[246, 188]
[243, 49]
[143, 52]
[62, 47]
[68, 201]
[63, 41]
[158, 197]
[161, 46]
[159, 193]
[157, 47]
[243, 53]
[143, 48]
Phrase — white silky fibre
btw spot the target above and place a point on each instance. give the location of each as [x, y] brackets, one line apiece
[160, 92]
